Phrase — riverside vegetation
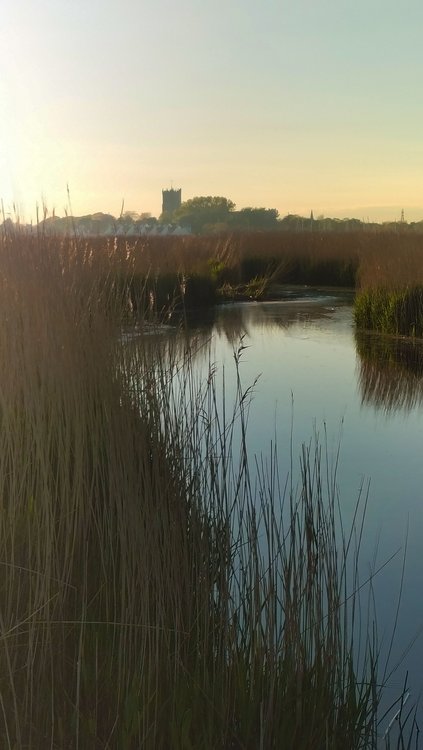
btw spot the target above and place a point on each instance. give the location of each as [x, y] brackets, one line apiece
[384, 267]
[149, 596]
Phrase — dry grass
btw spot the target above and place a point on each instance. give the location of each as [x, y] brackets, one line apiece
[191, 270]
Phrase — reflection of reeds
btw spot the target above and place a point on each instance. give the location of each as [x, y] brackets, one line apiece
[391, 371]
[148, 598]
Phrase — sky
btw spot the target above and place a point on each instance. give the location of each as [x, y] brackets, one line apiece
[301, 105]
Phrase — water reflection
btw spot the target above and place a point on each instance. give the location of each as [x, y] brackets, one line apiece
[390, 371]
[232, 321]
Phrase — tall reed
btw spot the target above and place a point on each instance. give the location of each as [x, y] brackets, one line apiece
[394, 310]
[150, 596]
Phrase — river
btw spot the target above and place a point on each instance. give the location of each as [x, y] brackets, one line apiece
[363, 395]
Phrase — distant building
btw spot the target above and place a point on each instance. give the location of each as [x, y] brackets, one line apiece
[171, 200]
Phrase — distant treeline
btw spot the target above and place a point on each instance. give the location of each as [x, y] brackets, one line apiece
[205, 215]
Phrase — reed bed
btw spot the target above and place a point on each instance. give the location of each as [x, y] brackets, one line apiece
[193, 272]
[197, 271]
[153, 594]
[390, 289]
[397, 310]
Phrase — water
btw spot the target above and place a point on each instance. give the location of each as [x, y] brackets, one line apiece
[363, 395]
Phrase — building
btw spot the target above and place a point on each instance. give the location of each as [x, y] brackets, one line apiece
[171, 200]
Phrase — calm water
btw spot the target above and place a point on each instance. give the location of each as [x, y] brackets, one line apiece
[366, 394]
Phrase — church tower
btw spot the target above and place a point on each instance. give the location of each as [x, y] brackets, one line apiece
[171, 200]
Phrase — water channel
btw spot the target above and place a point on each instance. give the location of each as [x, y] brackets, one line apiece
[363, 395]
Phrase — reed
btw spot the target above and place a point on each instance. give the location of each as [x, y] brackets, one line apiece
[397, 311]
[191, 272]
[149, 596]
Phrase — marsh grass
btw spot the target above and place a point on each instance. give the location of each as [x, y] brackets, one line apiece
[390, 287]
[153, 593]
[158, 273]
[194, 272]
[397, 311]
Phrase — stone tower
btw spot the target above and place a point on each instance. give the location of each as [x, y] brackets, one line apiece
[171, 200]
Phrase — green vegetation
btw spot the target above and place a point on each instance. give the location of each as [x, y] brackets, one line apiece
[394, 311]
[148, 597]
[212, 214]
[204, 213]
[390, 294]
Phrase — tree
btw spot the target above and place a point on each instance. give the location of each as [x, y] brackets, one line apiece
[130, 215]
[255, 218]
[202, 213]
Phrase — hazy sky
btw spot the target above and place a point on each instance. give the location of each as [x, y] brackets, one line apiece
[300, 105]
